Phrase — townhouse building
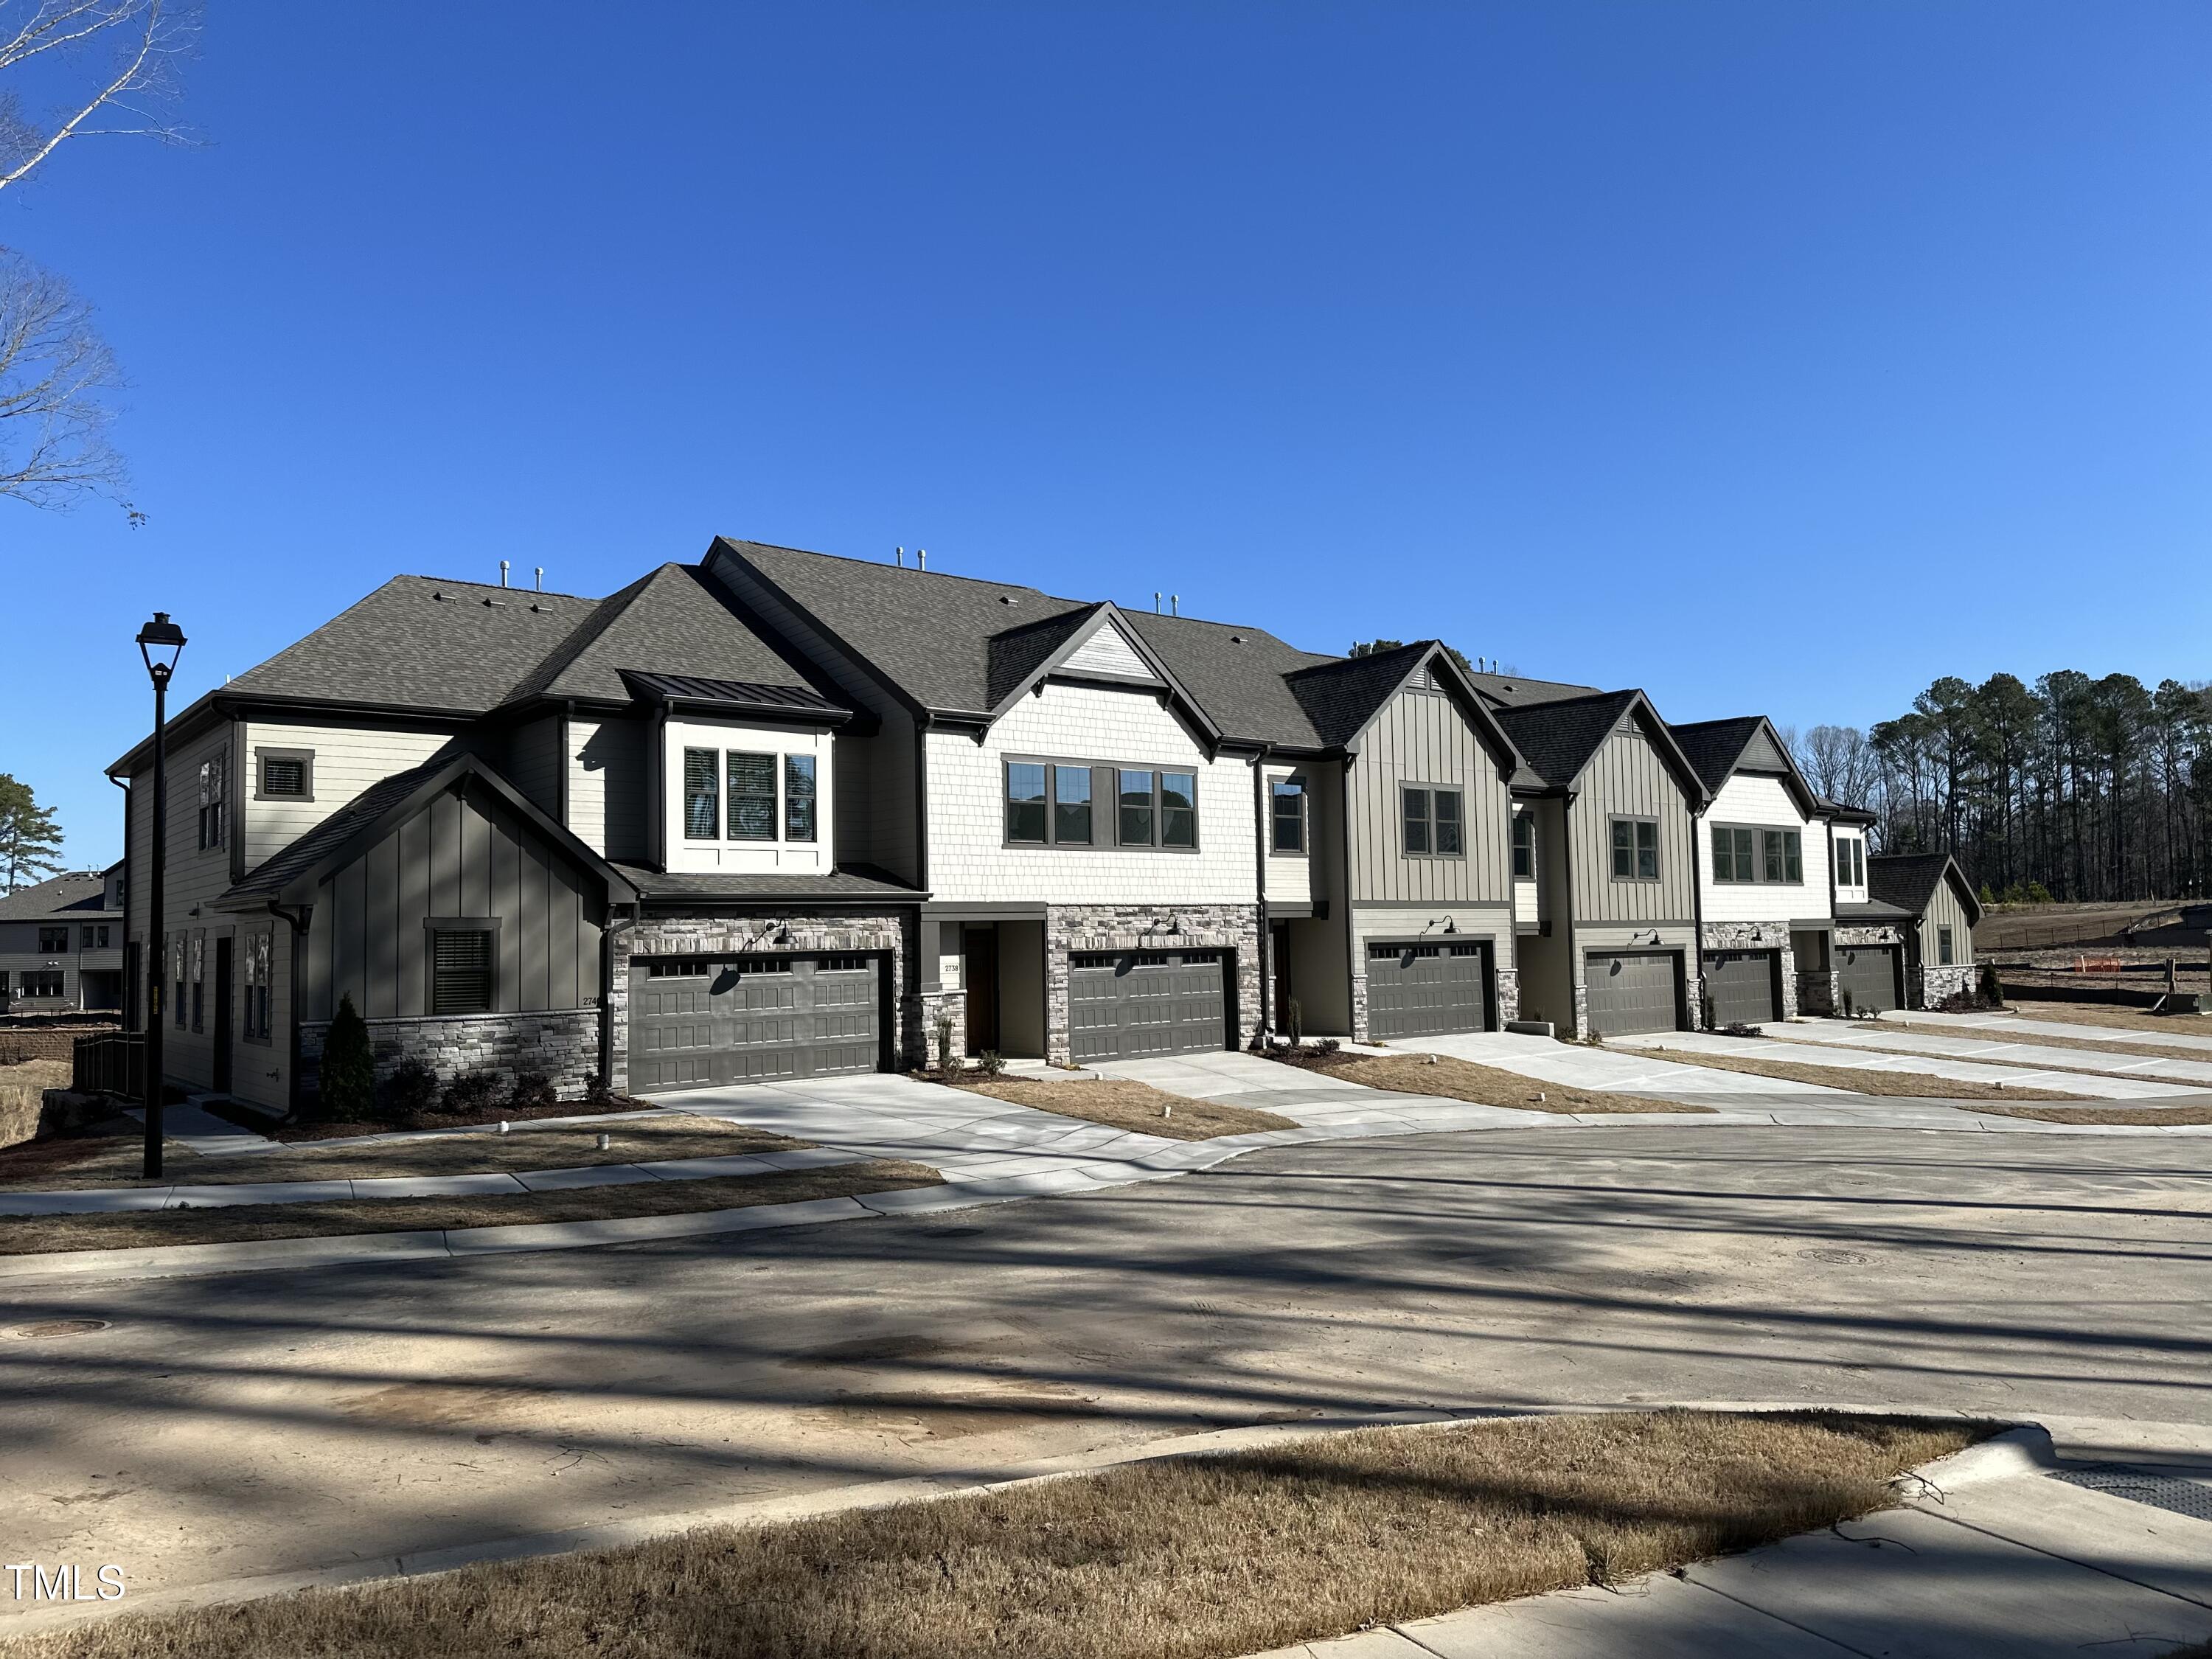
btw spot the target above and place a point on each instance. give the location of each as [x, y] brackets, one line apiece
[778, 814]
[61, 944]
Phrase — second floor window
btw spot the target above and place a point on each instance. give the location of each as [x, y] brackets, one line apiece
[1851, 861]
[752, 796]
[53, 939]
[1059, 804]
[1524, 846]
[211, 802]
[1782, 855]
[1288, 814]
[95, 939]
[1026, 818]
[1432, 823]
[1742, 855]
[1636, 849]
[797, 798]
[1071, 806]
[702, 799]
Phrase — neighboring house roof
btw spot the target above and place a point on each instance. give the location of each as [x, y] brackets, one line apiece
[1908, 881]
[291, 874]
[1558, 738]
[1874, 910]
[1517, 690]
[72, 896]
[1717, 749]
[675, 621]
[850, 882]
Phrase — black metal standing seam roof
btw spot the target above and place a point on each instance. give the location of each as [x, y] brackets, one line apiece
[928, 633]
[736, 694]
[849, 883]
[419, 642]
[1558, 739]
[74, 894]
[1714, 746]
[675, 621]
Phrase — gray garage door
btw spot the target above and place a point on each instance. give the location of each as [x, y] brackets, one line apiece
[697, 1020]
[1746, 986]
[1633, 991]
[1427, 990]
[1869, 975]
[1127, 1005]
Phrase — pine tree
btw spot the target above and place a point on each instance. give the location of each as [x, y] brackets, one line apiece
[349, 1070]
[30, 840]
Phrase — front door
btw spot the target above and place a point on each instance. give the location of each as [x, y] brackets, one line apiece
[221, 1078]
[980, 971]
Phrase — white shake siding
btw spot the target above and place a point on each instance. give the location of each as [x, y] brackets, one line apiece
[969, 861]
[1762, 803]
[348, 759]
[609, 786]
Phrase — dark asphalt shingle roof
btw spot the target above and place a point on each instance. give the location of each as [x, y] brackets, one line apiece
[1874, 910]
[1906, 879]
[1340, 697]
[1238, 674]
[853, 882]
[1517, 690]
[1715, 746]
[74, 894]
[273, 874]
[421, 643]
[1558, 739]
[1018, 653]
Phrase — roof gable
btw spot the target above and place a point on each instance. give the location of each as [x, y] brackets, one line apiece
[1344, 698]
[1560, 737]
[1747, 743]
[1908, 880]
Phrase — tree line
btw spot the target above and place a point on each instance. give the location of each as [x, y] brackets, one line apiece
[2071, 788]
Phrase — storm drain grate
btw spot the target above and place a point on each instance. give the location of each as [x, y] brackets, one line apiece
[2167, 1492]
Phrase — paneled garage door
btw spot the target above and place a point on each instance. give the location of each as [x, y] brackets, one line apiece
[697, 1020]
[1427, 988]
[1869, 975]
[1633, 990]
[1127, 1005]
[1746, 986]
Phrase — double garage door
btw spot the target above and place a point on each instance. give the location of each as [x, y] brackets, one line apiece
[1633, 990]
[1869, 975]
[1427, 990]
[1132, 1004]
[701, 1020]
[1745, 986]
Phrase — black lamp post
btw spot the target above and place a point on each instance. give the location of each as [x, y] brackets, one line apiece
[161, 641]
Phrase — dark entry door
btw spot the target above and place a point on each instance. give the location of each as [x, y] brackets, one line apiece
[222, 1080]
[979, 956]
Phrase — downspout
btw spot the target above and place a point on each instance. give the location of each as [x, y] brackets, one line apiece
[1351, 966]
[134, 996]
[298, 921]
[1567, 877]
[561, 795]
[1266, 961]
[1698, 852]
[607, 936]
[659, 860]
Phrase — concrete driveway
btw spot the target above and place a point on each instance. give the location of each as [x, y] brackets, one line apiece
[2182, 1067]
[269, 1421]
[2190, 1033]
[2086, 1085]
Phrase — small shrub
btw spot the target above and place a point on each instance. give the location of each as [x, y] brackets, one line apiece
[2038, 893]
[990, 1062]
[347, 1091]
[531, 1089]
[1739, 1029]
[471, 1093]
[946, 1065]
[598, 1091]
[1325, 1046]
[412, 1090]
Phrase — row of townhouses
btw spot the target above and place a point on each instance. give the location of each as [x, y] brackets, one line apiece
[779, 814]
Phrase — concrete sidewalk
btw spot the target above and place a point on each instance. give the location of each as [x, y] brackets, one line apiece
[2178, 1068]
[2081, 1084]
[2003, 1552]
[2192, 1034]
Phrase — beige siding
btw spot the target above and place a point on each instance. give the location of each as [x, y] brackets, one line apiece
[611, 786]
[1421, 737]
[533, 763]
[1296, 877]
[1626, 779]
[261, 1072]
[194, 879]
[348, 759]
[1944, 910]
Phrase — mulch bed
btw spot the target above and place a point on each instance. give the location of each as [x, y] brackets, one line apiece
[347, 1129]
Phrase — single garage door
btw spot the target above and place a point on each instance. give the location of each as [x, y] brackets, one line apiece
[695, 1020]
[1633, 990]
[1127, 1005]
[1869, 975]
[1427, 988]
[1746, 986]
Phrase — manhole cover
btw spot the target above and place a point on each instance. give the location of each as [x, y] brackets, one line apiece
[2164, 1491]
[1841, 1258]
[61, 1328]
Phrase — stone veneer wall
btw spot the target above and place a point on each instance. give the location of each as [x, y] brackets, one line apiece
[561, 1043]
[1233, 927]
[1752, 936]
[1936, 983]
[1509, 995]
[756, 932]
[1819, 994]
[930, 1007]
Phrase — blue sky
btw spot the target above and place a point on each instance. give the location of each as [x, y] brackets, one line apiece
[1771, 357]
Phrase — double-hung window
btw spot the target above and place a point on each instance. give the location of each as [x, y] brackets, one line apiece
[1524, 846]
[1781, 857]
[1071, 806]
[1851, 861]
[702, 796]
[1946, 948]
[752, 795]
[1636, 849]
[211, 802]
[200, 980]
[1179, 810]
[1028, 823]
[463, 960]
[52, 941]
[1287, 814]
[797, 798]
[1431, 822]
[1775, 856]
[95, 939]
[1135, 820]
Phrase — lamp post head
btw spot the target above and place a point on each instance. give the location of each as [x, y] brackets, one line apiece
[160, 642]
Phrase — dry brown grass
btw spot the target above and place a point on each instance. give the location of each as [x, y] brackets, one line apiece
[22, 1095]
[1184, 1558]
[1919, 1086]
[1482, 1085]
[2154, 1117]
[1127, 1104]
[634, 1140]
[136, 1228]
[2116, 1020]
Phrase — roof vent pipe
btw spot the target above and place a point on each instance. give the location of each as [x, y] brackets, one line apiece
[921, 558]
[898, 557]
[1175, 605]
[541, 578]
[1155, 602]
[502, 572]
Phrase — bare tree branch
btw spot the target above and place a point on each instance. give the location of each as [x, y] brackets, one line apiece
[144, 39]
[54, 370]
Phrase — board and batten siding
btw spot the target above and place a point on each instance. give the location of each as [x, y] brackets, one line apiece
[1944, 910]
[1422, 738]
[348, 760]
[1761, 802]
[457, 857]
[970, 860]
[611, 786]
[1625, 778]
